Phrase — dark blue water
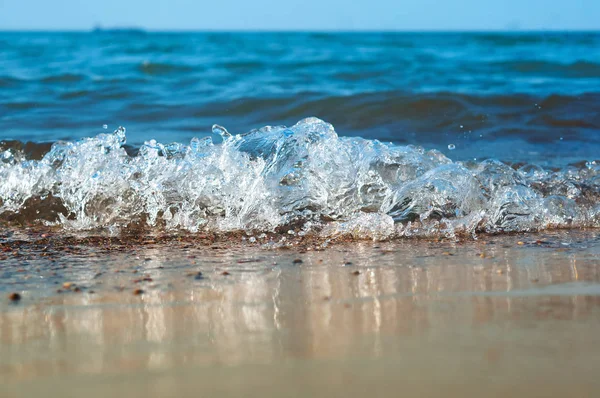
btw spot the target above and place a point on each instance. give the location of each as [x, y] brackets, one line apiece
[511, 96]
[513, 119]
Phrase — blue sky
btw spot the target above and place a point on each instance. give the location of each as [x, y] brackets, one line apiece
[302, 14]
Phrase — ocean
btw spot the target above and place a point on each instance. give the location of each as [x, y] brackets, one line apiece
[299, 214]
[452, 132]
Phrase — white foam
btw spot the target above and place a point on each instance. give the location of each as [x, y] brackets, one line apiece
[303, 176]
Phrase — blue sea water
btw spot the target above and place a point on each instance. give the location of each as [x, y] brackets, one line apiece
[514, 96]
[523, 99]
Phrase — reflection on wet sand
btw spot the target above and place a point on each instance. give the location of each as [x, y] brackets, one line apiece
[510, 314]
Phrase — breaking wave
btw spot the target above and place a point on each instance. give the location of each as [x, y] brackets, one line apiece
[298, 180]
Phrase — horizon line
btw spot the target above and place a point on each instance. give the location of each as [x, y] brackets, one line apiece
[116, 29]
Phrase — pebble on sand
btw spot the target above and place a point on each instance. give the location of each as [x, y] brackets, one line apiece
[14, 297]
[138, 292]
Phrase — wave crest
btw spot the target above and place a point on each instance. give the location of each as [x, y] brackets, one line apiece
[301, 179]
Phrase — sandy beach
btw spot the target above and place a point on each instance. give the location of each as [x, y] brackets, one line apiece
[505, 315]
[299, 199]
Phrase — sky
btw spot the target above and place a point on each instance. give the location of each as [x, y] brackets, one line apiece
[301, 14]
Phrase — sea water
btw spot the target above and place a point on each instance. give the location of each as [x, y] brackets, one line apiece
[389, 134]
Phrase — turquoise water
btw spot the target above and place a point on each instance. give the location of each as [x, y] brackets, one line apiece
[481, 92]
[411, 133]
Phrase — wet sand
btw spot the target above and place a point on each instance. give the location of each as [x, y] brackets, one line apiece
[502, 316]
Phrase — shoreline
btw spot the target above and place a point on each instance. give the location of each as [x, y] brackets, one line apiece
[493, 317]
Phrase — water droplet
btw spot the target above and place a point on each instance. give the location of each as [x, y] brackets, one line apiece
[105, 126]
[451, 147]
[461, 126]
[220, 130]
[561, 138]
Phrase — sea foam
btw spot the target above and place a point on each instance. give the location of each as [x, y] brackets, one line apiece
[302, 179]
